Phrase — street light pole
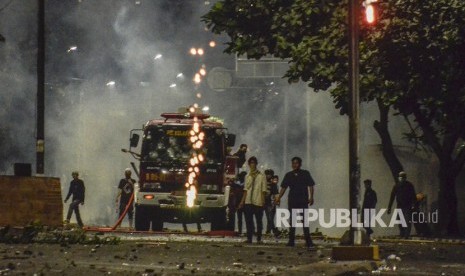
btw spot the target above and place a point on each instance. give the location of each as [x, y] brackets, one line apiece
[40, 88]
[354, 117]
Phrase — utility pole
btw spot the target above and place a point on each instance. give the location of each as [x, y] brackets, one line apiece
[40, 88]
[354, 117]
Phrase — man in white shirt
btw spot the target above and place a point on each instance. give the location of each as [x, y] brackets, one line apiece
[253, 200]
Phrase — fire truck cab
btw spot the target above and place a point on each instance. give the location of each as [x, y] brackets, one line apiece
[164, 157]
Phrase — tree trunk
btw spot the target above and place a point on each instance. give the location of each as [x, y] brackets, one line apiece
[447, 202]
[387, 147]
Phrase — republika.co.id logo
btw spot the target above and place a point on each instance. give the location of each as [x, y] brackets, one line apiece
[340, 217]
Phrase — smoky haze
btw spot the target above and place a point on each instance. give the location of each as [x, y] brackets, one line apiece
[112, 65]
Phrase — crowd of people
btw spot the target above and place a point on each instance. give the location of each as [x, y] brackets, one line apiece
[255, 194]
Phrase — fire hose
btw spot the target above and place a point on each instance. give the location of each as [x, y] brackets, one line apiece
[121, 217]
[118, 222]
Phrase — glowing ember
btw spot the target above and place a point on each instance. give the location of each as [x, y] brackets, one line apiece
[191, 195]
[197, 78]
[196, 127]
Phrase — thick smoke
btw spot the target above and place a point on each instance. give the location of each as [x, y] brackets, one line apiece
[127, 55]
[17, 84]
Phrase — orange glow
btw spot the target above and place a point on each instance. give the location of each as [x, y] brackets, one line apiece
[148, 196]
[212, 44]
[200, 51]
[196, 127]
[203, 72]
[191, 195]
[193, 51]
[370, 14]
[197, 78]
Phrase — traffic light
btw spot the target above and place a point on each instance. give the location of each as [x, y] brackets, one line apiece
[371, 14]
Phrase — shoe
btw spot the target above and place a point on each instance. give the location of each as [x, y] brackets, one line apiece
[66, 221]
[290, 244]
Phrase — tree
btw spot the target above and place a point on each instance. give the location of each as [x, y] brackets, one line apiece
[411, 61]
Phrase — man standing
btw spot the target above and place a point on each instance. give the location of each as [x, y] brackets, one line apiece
[369, 202]
[253, 200]
[125, 191]
[404, 192]
[241, 154]
[270, 207]
[300, 184]
[238, 190]
[78, 190]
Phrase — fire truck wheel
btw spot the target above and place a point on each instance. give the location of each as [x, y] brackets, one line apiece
[157, 221]
[218, 220]
[142, 223]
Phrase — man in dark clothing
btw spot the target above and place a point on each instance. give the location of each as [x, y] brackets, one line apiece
[300, 184]
[421, 227]
[238, 190]
[270, 207]
[78, 190]
[125, 191]
[241, 154]
[369, 202]
[404, 192]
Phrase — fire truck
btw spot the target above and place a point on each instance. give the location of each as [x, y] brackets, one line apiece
[164, 157]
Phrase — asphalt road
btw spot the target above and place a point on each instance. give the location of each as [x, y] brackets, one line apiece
[141, 254]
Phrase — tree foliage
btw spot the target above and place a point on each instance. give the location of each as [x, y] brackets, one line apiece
[412, 60]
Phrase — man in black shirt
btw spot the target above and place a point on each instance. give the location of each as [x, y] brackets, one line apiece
[404, 192]
[241, 154]
[125, 191]
[78, 190]
[300, 184]
[369, 202]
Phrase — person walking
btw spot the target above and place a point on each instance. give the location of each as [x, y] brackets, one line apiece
[253, 200]
[125, 191]
[78, 191]
[405, 195]
[301, 192]
[369, 202]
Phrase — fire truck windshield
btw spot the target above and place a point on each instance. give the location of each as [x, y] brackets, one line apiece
[165, 145]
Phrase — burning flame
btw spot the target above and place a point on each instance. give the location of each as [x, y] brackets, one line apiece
[191, 195]
[196, 138]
